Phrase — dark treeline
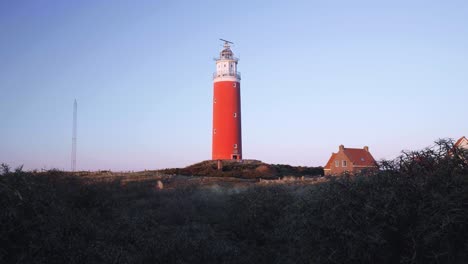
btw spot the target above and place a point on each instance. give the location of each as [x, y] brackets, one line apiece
[246, 169]
[415, 210]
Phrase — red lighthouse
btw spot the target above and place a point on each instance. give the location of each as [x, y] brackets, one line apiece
[227, 138]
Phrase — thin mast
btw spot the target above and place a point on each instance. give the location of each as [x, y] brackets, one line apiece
[73, 156]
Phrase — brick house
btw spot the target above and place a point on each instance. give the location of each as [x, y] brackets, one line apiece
[350, 160]
[462, 143]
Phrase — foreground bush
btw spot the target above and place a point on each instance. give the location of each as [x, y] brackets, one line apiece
[413, 211]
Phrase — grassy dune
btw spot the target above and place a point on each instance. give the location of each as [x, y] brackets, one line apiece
[247, 169]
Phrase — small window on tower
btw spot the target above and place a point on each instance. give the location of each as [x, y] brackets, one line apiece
[214, 100]
[234, 84]
[235, 114]
[214, 131]
[235, 146]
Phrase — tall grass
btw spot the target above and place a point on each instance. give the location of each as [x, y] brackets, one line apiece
[415, 210]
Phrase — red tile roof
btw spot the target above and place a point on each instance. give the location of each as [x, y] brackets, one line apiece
[360, 157]
[330, 161]
[459, 141]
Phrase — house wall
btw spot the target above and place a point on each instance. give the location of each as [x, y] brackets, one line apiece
[340, 156]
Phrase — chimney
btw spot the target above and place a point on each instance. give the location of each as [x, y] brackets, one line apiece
[366, 148]
[341, 148]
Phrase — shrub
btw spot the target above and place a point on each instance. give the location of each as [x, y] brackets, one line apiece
[412, 211]
[247, 169]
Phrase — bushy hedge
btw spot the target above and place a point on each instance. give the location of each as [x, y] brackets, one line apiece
[247, 169]
[415, 210]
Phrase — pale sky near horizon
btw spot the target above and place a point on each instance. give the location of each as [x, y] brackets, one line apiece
[392, 75]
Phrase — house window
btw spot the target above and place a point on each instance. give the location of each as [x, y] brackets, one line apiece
[344, 163]
[235, 115]
[337, 163]
[235, 146]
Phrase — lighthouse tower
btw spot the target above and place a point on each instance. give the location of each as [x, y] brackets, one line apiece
[227, 138]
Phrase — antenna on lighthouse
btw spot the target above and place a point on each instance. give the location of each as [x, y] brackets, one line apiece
[226, 42]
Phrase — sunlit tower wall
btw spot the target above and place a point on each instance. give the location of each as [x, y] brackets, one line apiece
[227, 134]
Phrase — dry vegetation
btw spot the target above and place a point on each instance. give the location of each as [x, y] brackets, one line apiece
[415, 210]
[247, 169]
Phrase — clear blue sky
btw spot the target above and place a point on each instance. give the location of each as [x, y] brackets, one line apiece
[392, 75]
